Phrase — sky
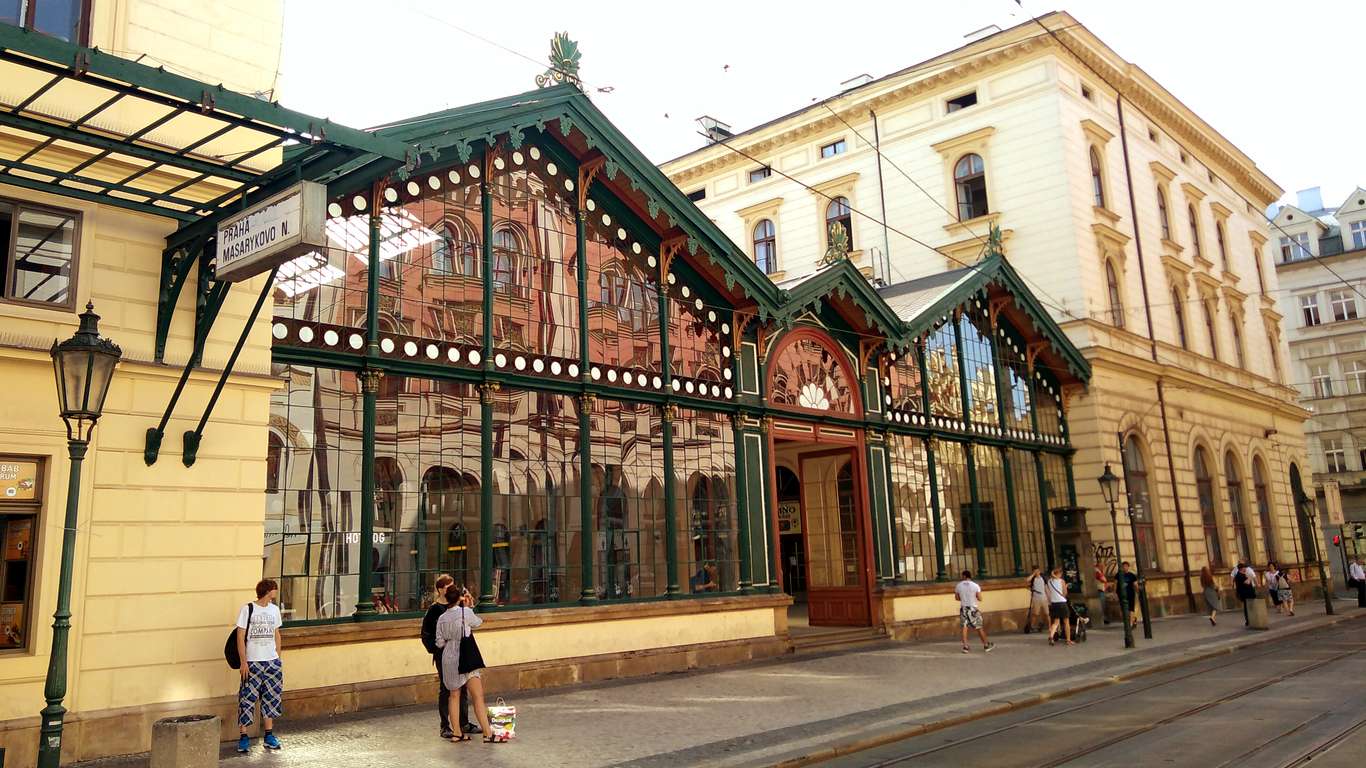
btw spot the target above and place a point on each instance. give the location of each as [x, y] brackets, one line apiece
[1281, 81]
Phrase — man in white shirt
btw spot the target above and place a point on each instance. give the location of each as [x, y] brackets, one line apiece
[1357, 573]
[1038, 603]
[263, 678]
[1269, 584]
[969, 595]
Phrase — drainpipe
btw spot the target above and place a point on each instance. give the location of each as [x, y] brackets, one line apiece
[882, 197]
[1152, 346]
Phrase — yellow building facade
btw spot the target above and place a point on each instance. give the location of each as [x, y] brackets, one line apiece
[1170, 295]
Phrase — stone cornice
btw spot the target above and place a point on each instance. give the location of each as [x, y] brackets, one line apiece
[1221, 212]
[1258, 239]
[1096, 132]
[765, 207]
[951, 146]
[1193, 192]
[837, 184]
[1162, 172]
[1109, 235]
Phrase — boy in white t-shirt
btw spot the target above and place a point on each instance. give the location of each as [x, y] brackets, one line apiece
[263, 678]
[969, 594]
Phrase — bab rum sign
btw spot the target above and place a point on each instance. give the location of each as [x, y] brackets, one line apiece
[272, 232]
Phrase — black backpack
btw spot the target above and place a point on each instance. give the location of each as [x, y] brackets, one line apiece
[230, 647]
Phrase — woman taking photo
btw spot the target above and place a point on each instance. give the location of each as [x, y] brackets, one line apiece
[455, 637]
[1211, 593]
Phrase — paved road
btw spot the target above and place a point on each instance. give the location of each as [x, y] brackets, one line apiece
[1296, 700]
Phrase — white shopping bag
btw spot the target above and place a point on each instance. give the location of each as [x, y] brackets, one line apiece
[502, 721]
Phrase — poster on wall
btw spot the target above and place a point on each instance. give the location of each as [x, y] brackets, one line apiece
[790, 517]
[18, 480]
[11, 625]
[18, 539]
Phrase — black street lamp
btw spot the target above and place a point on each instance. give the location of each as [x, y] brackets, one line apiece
[1109, 488]
[1307, 507]
[84, 365]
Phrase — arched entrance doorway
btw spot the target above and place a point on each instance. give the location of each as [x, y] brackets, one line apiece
[821, 493]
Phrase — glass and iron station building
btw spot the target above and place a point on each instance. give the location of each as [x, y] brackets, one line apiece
[519, 355]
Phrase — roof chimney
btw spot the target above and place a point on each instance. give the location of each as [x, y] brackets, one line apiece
[1309, 200]
[715, 129]
[856, 81]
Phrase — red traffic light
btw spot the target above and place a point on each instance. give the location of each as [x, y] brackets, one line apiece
[1337, 540]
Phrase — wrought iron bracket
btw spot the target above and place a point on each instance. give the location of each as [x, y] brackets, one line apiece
[175, 270]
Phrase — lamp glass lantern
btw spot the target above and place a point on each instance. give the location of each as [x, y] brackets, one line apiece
[84, 366]
[1109, 485]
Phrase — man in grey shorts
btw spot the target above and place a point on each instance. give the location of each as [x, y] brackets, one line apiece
[969, 596]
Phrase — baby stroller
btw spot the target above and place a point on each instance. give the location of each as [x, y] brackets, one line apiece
[1079, 619]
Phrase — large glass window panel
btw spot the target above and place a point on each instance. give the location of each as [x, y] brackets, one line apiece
[37, 266]
[628, 480]
[700, 346]
[960, 552]
[1233, 481]
[1204, 487]
[1139, 500]
[1028, 513]
[704, 473]
[1010, 351]
[980, 368]
[623, 312]
[806, 374]
[995, 513]
[901, 382]
[1262, 495]
[912, 513]
[941, 364]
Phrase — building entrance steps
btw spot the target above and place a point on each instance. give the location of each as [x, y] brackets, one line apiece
[781, 711]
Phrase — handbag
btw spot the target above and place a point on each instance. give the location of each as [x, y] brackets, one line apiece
[230, 647]
[470, 658]
[502, 721]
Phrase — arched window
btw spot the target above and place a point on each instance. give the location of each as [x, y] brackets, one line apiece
[1097, 180]
[766, 246]
[1204, 490]
[970, 185]
[275, 452]
[1235, 324]
[1233, 480]
[1162, 215]
[1275, 358]
[1195, 230]
[1116, 298]
[1179, 312]
[838, 212]
[1207, 308]
[506, 252]
[442, 250]
[1263, 498]
[1219, 240]
[1140, 504]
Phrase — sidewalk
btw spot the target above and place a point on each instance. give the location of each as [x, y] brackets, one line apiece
[767, 712]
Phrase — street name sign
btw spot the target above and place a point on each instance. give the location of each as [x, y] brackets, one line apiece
[272, 232]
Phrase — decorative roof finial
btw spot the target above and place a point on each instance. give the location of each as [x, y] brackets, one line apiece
[839, 245]
[564, 63]
[994, 247]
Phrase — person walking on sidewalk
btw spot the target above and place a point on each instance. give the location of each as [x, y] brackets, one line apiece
[1269, 583]
[454, 627]
[1285, 587]
[1056, 590]
[1038, 604]
[1211, 591]
[1128, 581]
[1103, 586]
[1245, 586]
[1357, 577]
[263, 676]
[969, 595]
[443, 699]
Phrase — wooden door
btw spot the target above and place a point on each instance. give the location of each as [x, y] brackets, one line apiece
[832, 524]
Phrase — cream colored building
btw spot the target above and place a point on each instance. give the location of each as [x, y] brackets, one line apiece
[1321, 267]
[1019, 131]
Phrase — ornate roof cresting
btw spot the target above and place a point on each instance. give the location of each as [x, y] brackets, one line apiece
[564, 63]
[839, 245]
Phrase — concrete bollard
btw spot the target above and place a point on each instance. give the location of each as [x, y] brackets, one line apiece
[185, 742]
[1256, 613]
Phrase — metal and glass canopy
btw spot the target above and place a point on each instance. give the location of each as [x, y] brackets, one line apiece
[81, 123]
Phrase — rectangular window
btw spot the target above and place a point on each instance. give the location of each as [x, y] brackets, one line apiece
[698, 195]
[759, 174]
[1086, 91]
[832, 149]
[969, 526]
[1295, 248]
[38, 254]
[1344, 305]
[1309, 307]
[1333, 455]
[1321, 381]
[21, 487]
[961, 102]
[68, 20]
[1356, 377]
[1358, 235]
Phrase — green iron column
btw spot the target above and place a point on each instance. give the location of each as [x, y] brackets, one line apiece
[369, 381]
[970, 448]
[585, 400]
[892, 512]
[940, 572]
[1001, 373]
[742, 515]
[770, 510]
[666, 428]
[1039, 477]
[486, 392]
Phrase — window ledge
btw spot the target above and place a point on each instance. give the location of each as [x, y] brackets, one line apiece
[1172, 246]
[777, 274]
[1106, 213]
[965, 227]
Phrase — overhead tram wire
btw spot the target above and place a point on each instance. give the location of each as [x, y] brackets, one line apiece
[1149, 118]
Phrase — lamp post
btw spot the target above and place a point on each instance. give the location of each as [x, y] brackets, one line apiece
[1109, 488]
[1307, 506]
[84, 365]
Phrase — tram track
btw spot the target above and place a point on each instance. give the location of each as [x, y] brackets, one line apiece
[1240, 659]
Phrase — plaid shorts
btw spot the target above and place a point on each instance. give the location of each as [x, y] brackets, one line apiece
[970, 617]
[265, 683]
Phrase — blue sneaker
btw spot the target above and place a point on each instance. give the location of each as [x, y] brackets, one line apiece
[243, 743]
[270, 742]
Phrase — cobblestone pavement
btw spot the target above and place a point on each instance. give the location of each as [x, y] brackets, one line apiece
[750, 714]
